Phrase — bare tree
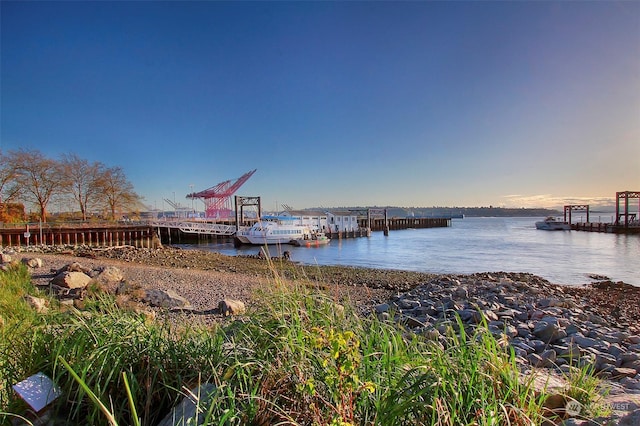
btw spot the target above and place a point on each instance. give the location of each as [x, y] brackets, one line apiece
[83, 181]
[8, 188]
[117, 192]
[37, 177]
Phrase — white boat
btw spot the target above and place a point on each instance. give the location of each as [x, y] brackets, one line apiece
[553, 224]
[273, 232]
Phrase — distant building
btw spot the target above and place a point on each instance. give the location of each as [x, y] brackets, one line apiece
[330, 222]
[316, 220]
[343, 221]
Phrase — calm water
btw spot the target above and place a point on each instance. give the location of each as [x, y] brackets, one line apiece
[478, 245]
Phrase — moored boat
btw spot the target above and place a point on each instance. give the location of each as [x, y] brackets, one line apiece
[272, 232]
[316, 240]
[553, 224]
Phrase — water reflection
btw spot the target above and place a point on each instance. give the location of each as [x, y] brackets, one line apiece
[477, 245]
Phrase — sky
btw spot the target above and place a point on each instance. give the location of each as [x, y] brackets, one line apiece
[335, 103]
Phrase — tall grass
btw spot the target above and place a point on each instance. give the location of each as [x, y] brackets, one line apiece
[300, 358]
[18, 327]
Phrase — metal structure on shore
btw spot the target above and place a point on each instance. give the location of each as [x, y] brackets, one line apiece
[218, 199]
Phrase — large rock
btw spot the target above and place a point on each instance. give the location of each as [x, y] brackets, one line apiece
[32, 262]
[71, 280]
[586, 342]
[74, 267]
[231, 307]
[5, 258]
[631, 419]
[621, 372]
[193, 407]
[632, 364]
[37, 303]
[548, 331]
[110, 275]
[165, 299]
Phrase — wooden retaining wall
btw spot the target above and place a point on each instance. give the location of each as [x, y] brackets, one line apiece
[136, 235]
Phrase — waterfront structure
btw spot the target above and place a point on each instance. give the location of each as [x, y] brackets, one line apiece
[630, 219]
[218, 198]
[343, 221]
[330, 222]
[626, 222]
[314, 219]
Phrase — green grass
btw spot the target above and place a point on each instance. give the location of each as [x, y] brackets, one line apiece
[299, 358]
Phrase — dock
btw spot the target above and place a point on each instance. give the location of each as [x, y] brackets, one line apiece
[609, 228]
[145, 234]
[399, 223]
[97, 235]
[626, 222]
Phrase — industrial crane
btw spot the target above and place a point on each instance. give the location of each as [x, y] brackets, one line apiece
[218, 199]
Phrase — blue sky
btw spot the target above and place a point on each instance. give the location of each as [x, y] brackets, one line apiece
[334, 103]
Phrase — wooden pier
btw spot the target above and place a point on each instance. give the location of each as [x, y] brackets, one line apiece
[141, 236]
[626, 222]
[609, 228]
[398, 223]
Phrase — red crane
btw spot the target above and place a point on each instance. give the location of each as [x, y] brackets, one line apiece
[217, 199]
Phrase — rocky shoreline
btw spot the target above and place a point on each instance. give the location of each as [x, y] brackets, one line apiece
[549, 326]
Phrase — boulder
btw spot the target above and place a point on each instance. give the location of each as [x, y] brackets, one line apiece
[629, 357]
[603, 360]
[71, 280]
[631, 419]
[165, 299]
[548, 331]
[586, 342]
[382, 307]
[549, 357]
[193, 407]
[555, 404]
[570, 352]
[37, 303]
[110, 275]
[630, 383]
[635, 365]
[231, 307]
[5, 258]
[74, 267]
[32, 262]
[621, 372]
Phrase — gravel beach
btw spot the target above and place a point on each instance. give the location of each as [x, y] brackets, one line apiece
[204, 278]
[549, 326]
